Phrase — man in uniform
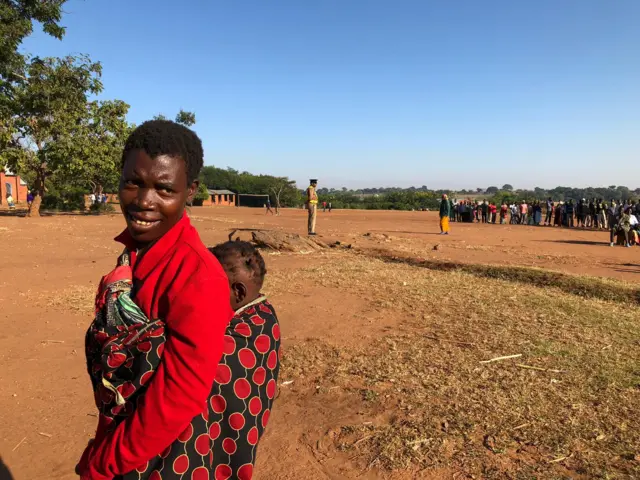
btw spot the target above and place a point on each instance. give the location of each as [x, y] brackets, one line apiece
[312, 205]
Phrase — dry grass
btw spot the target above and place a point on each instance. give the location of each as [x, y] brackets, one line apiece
[432, 403]
[78, 299]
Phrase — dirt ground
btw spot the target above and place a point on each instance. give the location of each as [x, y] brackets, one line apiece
[50, 268]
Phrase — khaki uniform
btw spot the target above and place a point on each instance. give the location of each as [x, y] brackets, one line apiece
[312, 206]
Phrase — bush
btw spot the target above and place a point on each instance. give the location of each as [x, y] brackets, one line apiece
[67, 199]
[100, 208]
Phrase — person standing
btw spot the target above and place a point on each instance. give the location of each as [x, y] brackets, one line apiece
[176, 281]
[570, 209]
[485, 209]
[312, 206]
[612, 222]
[445, 213]
[504, 210]
[269, 211]
[547, 218]
[330, 207]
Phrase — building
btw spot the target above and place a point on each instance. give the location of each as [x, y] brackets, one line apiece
[13, 185]
[220, 198]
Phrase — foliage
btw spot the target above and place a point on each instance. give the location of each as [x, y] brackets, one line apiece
[97, 140]
[201, 195]
[17, 24]
[492, 190]
[507, 187]
[57, 134]
[183, 117]
[64, 198]
[100, 208]
[245, 182]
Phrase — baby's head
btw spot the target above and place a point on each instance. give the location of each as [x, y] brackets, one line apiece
[245, 268]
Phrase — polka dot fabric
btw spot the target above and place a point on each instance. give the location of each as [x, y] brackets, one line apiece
[221, 443]
[241, 401]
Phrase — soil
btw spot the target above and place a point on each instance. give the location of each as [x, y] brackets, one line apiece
[47, 413]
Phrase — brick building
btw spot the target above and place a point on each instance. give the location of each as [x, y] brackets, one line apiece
[220, 197]
[13, 185]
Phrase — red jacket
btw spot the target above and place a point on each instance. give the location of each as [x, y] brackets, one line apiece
[179, 281]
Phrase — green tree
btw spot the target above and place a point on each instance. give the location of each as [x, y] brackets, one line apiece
[201, 195]
[93, 158]
[16, 23]
[188, 119]
[507, 188]
[492, 190]
[44, 113]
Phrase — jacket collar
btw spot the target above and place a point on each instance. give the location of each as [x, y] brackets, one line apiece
[157, 251]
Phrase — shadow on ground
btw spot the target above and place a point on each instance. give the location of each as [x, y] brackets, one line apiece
[576, 242]
[586, 287]
[5, 473]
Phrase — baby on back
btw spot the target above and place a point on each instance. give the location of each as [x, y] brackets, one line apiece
[245, 385]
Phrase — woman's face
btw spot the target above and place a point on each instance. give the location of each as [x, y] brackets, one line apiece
[153, 194]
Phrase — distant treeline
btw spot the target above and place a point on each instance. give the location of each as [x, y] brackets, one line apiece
[395, 198]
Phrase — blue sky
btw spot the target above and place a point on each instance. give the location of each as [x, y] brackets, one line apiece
[448, 94]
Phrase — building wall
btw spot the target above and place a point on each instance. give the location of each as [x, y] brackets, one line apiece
[223, 200]
[19, 192]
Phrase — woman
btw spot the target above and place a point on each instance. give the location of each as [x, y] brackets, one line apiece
[537, 213]
[162, 431]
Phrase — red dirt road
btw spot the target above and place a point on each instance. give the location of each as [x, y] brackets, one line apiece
[45, 400]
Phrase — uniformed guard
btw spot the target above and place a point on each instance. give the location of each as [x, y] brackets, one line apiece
[312, 205]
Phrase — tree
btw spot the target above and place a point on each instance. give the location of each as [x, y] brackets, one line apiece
[187, 119]
[507, 188]
[478, 190]
[201, 195]
[44, 113]
[17, 24]
[183, 117]
[278, 187]
[492, 190]
[93, 157]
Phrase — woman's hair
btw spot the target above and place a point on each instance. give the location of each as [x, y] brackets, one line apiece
[238, 254]
[163, 137]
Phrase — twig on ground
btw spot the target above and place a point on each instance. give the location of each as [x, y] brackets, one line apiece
[539, 369]
[19, 443]
[48, 435]
[52, 341]
[361, 440]
[506, 357]
[556, 460]
[522, 426]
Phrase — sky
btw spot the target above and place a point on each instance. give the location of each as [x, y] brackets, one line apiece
[379, 93]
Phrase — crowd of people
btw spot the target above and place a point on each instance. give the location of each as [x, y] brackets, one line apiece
[619, 217]
[97, 199]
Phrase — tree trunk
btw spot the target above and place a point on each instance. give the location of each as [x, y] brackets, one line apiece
[34, 209]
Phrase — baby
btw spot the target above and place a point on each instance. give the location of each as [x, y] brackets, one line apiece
[245, 385]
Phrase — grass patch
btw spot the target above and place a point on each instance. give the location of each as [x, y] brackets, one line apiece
[588, 287]
[567, 408]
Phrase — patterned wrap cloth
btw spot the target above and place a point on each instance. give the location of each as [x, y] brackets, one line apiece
[123, 347]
